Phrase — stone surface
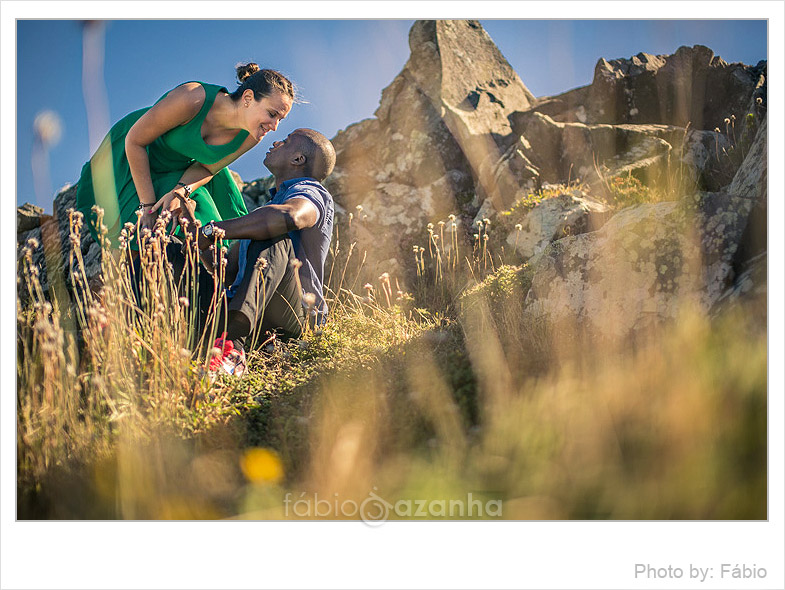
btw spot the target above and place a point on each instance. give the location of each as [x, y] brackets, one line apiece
[457, 132]
[53, 247]
[28, 216]
[458, 67]
[440, 120]
[257, 193]
[648, 261]
[691, 86]
[561, 152]
[555, 218]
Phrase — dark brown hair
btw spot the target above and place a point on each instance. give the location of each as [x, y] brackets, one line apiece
[262, 82]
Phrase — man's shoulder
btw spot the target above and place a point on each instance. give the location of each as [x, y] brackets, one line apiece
[307, 187]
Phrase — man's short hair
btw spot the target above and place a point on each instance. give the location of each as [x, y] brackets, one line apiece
[319, 153]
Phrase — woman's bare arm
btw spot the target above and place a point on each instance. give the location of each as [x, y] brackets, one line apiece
[176, 108]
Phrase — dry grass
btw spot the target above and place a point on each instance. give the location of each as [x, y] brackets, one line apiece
[431, 396]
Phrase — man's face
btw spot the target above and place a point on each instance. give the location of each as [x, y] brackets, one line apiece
[283, 153]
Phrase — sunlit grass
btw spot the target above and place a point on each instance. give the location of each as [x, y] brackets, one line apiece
[448, 390]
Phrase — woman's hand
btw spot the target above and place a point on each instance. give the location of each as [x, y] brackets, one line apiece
[172, 202]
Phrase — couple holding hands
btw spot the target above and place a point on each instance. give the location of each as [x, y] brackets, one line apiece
[173, 157]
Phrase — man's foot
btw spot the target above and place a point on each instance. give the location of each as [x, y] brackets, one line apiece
[230, 361]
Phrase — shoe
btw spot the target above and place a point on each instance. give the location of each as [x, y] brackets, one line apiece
[231, 361]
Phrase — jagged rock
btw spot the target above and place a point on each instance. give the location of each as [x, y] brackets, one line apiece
[642, 264]
[441, 120]
[648, 261]
[257, 193]
[561, 152]
[458, 67]
[750, 182]
[691, 86]
[555, 218]
[749, 285]
[29, 216]
[52, 253]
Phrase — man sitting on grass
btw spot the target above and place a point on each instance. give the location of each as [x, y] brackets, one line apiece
[265, 292]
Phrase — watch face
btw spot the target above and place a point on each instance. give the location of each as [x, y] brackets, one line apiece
[207, 230]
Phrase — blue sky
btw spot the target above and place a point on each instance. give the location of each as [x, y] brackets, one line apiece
[341, 67]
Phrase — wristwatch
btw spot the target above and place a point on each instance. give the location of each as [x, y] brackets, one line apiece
[207, 230]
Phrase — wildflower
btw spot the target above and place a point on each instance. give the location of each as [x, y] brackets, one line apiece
[451, 217]
[727, 121]
[309, 299]
[215, 351]
[518, 226]
[430, 227]
[359, 208]
[716, 130]
[759, 100]
[733, 117]
[184, 302]
[441, 223]
[32, 243]
[261, 263]
[185, 353]
[486, 221]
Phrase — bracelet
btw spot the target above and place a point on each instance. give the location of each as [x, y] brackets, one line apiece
[143, 205]
[187, 189]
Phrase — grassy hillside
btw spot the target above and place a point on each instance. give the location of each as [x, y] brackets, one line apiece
[427, 393]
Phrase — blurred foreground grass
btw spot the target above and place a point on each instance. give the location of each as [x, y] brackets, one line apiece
[410, 404]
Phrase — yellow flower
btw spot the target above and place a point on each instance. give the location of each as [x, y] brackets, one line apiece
[261, 465]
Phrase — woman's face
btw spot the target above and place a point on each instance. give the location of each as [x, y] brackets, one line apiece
[263, 116]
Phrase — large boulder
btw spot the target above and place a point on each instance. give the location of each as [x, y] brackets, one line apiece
[648, 261]
[561, 152]
[693, 86]
[435, 142]
[50, 246]
[555, 218]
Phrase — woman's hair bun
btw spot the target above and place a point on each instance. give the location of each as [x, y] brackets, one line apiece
[246, 70]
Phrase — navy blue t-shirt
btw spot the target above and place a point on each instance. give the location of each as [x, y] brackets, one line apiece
[310, 244]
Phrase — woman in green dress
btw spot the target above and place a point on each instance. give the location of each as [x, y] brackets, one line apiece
[179, 148]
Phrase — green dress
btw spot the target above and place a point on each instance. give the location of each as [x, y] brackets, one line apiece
[106, 179]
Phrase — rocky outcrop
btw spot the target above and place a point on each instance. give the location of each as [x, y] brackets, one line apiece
[555, 218]
[693, 86]
[435, 145]
[648, 261]
[561, 152]
[458, 133]
[50, 243]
